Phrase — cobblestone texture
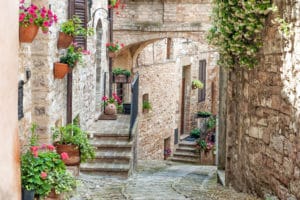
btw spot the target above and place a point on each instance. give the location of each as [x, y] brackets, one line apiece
[159, 180]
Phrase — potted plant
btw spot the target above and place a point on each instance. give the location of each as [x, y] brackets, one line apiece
[70, 29]
[43, 171]
[195, 133]
[74, 141]
[197, 84]
[203, 114]
[110, 104]
[146, 106]
[69, 60]
[31, 18]
[113, 48]
[121, 75]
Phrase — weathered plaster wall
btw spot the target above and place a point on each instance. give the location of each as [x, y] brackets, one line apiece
[10, 187]
[263, 117]
[45, 97]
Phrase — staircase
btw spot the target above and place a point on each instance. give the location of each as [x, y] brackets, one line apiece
[114, 152]
[186, 152]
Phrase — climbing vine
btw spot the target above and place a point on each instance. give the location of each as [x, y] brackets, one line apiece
[237, 30]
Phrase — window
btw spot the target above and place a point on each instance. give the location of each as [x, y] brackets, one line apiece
[202, 78]
[79, 8]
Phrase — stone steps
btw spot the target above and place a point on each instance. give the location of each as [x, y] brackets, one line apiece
[105, 169]
[186, 152]
[106, 156]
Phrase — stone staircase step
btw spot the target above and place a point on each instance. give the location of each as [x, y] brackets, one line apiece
[112, 157]
[186, 149]
[111, 144]
[105, 169]
[110, 136]
[187, 154]
[185, 160]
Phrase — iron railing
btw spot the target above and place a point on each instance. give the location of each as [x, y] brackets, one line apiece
[134, 103]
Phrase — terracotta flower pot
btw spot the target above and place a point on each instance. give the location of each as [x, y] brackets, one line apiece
[110, 109]
[111, 54]
[27, 34]
[52, 195]
[72, 151]
[64, 40]
[60, 70]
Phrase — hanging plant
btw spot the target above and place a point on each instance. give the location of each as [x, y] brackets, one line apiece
[237, 30]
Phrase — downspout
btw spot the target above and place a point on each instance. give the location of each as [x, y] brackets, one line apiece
[111, 15]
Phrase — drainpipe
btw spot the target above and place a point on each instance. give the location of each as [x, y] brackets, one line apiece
[111, 15]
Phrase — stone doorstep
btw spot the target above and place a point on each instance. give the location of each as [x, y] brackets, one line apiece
[186, 148]
[104, 167]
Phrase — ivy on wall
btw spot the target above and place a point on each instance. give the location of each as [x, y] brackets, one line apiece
[237, 30]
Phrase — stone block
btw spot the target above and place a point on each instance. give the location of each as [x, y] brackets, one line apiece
[277, 143]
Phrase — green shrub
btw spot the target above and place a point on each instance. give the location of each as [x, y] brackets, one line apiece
[195, 133]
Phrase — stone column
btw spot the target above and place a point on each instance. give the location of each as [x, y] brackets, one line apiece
[9, 155]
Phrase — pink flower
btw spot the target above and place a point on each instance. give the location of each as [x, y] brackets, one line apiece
[34, 148]
[43, 15]
[122, 45]
[64, 156]
[21, 17]
[44, 175]
[86, 52]
[31, 20]
[44, 146]
[22, 1]
[107, 44]
[104, 98]
[46, 24]
[50, 147]
[55, 18]
[35, 154]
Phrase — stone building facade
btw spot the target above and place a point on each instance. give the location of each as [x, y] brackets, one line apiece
[45, 98]
[164, 43]
[262, 115]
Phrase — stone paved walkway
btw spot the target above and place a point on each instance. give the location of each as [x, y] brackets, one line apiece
[159, 180]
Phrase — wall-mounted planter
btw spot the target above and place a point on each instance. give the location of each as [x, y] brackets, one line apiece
[120, 78]
[60, 70]
[64, 40]
[27, 34]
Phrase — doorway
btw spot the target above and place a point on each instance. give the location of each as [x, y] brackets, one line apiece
[185, 99]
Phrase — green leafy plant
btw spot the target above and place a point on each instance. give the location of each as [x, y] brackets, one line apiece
[211, 123]
[204, 113]
[147, 105]
[195, 133]
[285, 28]
[119, 71]
[113, 47]
[197, 84]
[73, 27]
[237, 31]
[202, 144]
[74, 55]
[73, 134]
[42, 169]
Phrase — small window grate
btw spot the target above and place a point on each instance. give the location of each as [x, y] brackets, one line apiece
[20, 99]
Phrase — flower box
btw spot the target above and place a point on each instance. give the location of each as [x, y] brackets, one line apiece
[207, 158]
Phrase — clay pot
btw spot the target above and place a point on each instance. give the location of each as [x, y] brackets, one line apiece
[27, 34]
[72, 151]
[60, 70]
[110, 109]
[64, 40]
[52, 195]
[111, 54]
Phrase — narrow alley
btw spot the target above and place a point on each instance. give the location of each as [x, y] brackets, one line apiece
[159, 180]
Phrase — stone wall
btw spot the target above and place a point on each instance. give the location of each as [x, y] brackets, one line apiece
[45, 97]
[161, 78]
[263, 117]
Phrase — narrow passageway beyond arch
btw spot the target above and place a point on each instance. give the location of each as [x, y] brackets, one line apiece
[159, 180]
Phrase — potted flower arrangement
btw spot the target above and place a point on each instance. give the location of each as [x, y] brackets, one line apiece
[69, 60]
[70, 29]
[121, 75]
[167, 153]
[113, 48]
[146, 106]
[197, 84]
[110, 104]
[43, 171]
[74, 141]
[31, 18]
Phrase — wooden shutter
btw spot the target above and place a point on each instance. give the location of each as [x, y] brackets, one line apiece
[202, 78]
[79, 8]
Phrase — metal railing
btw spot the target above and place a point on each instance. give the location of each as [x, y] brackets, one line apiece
[134, 103]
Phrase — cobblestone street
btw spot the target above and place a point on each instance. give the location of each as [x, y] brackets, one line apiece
[159, 180]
